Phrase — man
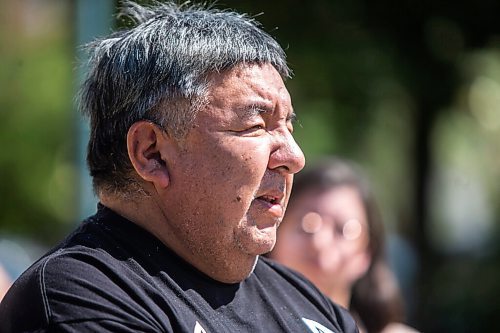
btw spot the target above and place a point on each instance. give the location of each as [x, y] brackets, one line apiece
[192, 157]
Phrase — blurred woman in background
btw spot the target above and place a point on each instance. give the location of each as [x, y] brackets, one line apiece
[332, 233]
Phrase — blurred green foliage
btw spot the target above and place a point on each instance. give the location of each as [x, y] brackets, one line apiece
[36, 124]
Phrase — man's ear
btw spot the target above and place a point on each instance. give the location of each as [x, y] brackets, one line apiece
[144, 143]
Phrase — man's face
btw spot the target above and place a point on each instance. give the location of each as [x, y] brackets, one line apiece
[232, 174]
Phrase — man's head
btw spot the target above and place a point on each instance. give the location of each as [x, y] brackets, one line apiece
[159, 71]
[190, 108]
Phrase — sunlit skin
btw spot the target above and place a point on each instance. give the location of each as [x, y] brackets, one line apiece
[334, 254]
[219, 194]
[5, 282]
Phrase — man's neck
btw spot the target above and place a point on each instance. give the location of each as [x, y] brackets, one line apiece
[148, 214]
[134, 210]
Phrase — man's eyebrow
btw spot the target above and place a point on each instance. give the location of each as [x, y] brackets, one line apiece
[255, 109]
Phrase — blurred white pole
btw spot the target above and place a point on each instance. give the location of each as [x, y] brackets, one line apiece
[94, 18]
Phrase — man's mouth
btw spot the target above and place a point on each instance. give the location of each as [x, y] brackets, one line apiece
[271, 204]
[269, 199]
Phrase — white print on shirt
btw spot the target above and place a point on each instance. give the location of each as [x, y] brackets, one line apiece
[198, 328]
[316, 327]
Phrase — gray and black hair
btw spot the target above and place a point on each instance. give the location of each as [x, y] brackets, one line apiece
[158, 70]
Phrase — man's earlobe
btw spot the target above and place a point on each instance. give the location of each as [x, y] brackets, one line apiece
[143, 146]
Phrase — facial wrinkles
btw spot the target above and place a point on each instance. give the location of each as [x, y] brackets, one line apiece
[273, 107]
[273, 181]
[242, 163]
[278, 104]
[268, 90]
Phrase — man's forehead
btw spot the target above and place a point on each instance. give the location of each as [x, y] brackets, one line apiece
[254, 88]
[247, 73]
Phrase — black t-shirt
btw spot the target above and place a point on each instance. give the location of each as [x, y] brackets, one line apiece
[110, 275]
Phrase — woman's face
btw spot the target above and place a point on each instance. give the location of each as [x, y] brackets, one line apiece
[324, 235]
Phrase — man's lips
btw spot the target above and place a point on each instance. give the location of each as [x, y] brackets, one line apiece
[269, 198]
[273, 203]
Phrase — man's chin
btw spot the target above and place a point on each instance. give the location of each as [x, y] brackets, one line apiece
[265, 239]
[258, 243]
[264, 246]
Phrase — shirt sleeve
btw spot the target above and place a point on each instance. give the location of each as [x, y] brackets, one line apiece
[23, 308]
[75, 292]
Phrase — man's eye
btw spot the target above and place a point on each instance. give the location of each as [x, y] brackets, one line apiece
[291, 120]
[256, 127]
[253, 129]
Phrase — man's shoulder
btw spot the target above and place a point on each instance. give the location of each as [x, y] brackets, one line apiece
[75, 284]
[289, 284]
[270, 267]
[26, 305]
[84, 269]
[56, 270]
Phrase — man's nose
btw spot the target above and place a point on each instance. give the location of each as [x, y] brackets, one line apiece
[286, 153]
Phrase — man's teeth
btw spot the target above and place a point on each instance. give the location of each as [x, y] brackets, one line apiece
[268, 198]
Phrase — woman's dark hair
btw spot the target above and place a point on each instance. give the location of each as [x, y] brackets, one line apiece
[376, 298]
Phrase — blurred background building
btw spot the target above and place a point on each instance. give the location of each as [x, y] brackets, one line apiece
[408, 89]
